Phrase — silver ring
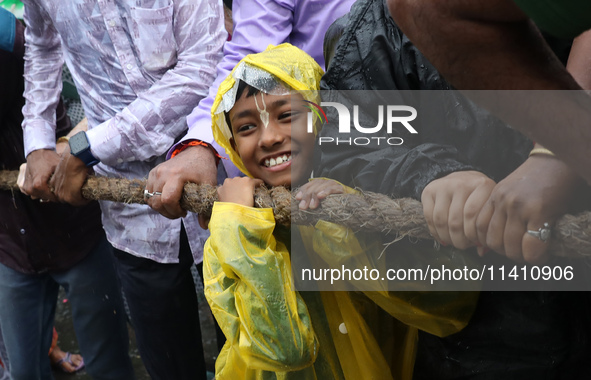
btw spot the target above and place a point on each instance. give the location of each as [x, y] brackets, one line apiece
[543, 233]
[148, 195]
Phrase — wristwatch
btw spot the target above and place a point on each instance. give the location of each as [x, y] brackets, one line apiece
[80, 147]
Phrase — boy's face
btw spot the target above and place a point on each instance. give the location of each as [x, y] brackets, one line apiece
[277, 148]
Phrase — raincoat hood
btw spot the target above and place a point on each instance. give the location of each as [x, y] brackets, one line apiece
[278, 70]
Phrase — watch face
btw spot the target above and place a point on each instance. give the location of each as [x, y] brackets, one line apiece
[78, 143]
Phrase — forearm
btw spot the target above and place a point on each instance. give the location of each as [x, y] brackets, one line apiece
[503, 50]
[148, 126]
[579, 60]
[43, 65]
[497, 48]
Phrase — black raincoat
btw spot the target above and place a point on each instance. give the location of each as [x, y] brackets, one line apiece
[512, 335]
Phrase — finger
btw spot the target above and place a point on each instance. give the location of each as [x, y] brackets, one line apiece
[314, 202]
[496, 232]
[154, 202]
[474, 205]
[331, 188]
[535, 251]
[169, 202]
[428, 202]
[456, 222]
[483, 221]
[305, 202]
[482, 251]
[156, 205]
[38, 188]
[21, 178]
[513, 238]
[441, 218]
[49, 190]
[299, 195]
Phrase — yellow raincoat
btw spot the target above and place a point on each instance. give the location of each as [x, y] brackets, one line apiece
[274, 332]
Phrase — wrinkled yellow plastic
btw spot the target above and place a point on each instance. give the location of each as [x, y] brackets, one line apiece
[274, 332]
[287, 63]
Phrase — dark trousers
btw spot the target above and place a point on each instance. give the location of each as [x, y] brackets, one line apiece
[163, 306]
[27, 310]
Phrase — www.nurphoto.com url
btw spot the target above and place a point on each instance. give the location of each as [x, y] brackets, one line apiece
[442, 273]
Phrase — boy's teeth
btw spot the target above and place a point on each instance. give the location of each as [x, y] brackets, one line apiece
[278, 160]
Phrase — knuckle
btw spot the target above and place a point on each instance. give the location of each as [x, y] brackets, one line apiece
[471, 234]
[513, 201]
[439, 221]
[165, 199]
[484, 181]
[471, 211]
[456, 225]
[37, 184]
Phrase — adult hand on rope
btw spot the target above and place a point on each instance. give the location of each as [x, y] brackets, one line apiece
[195, 164]
[40, 167]
[539, 191]
[70, 174]
[451, 205]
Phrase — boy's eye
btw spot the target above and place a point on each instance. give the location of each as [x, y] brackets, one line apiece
[288, 115]
[245, 128]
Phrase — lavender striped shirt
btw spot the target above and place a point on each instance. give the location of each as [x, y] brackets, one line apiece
[140, 67]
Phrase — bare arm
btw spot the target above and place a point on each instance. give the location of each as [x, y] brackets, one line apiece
[495, 46]
[579, 60]
[463, 38]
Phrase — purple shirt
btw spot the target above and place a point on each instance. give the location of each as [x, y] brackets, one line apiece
[140, 67]
[258, 23]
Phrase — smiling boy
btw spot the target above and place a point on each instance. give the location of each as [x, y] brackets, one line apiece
[272, 331]
[270, 136]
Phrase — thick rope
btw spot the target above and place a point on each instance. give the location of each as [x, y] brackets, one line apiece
[571, 235]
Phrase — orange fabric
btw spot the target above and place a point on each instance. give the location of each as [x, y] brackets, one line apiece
[184, 146]
[53, 341]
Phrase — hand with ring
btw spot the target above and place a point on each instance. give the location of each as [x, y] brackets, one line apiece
[148, 195]
[516, 221]
[196, 164]
[543, 233]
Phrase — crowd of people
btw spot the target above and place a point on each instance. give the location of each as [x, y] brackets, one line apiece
[213, 92]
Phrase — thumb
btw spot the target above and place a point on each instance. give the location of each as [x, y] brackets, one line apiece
[21, 177]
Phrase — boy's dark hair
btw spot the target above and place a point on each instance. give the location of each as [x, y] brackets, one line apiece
[241, 87]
